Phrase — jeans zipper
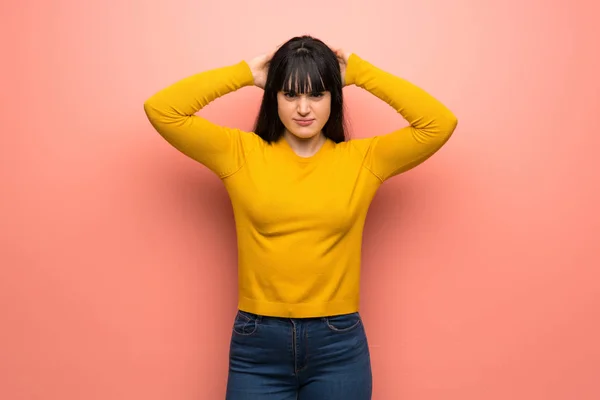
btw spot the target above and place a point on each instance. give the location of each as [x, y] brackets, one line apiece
[294, 351]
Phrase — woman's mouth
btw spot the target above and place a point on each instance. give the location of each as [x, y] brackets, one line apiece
[304, 122]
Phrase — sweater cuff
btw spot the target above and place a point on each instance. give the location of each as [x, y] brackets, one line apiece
[243, 74]
[352, 69]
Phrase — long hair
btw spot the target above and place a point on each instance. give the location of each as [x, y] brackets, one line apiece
[301, 63]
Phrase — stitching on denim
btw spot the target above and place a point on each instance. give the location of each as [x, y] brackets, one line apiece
[248, 321]
[333, 328]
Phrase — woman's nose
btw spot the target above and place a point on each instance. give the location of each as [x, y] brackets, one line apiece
[303, 105]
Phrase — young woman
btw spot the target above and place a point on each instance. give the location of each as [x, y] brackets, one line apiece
[300, 191]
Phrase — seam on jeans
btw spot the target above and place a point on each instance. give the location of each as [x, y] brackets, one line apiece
[305, 360]
[245, 316]
[333, 328]
[242, 333]
[305, 351]
[294, 347]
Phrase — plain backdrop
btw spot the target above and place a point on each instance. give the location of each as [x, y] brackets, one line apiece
[118, 254]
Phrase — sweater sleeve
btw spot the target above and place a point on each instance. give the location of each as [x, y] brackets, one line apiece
[172, 110]
[430, 123]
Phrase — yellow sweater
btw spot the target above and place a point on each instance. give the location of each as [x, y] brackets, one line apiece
[299, 221]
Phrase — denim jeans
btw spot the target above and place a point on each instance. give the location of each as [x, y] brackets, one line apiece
[275, 358]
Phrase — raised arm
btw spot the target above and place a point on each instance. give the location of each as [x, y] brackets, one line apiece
[431, 123]
[171, 112]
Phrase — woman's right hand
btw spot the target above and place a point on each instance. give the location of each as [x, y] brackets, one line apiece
[260, 66]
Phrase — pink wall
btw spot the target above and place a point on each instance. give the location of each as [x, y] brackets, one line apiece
[117, 254]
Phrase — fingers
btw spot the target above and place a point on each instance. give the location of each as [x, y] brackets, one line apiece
[270, 55]
[341, 55]
[337, 50]
[277, 48]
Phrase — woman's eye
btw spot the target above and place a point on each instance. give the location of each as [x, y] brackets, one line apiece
[291, 95]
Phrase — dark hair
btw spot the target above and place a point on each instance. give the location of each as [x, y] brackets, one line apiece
[300, 63]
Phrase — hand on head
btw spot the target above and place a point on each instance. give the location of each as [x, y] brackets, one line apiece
[260, 65]
[343, 56]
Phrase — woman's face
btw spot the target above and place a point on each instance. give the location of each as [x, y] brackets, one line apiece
[304, 115]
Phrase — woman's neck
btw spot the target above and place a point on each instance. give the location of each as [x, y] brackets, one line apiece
[305, 147]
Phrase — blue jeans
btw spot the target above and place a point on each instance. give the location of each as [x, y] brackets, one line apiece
[299, 359]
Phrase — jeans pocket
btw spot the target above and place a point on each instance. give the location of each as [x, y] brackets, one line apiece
[245, 323]
[343, 323]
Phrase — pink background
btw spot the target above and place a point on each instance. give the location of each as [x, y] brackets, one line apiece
[481, 267]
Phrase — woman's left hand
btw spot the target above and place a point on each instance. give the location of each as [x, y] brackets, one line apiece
[343, 56]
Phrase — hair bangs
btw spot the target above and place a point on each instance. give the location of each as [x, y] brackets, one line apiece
[303, 74]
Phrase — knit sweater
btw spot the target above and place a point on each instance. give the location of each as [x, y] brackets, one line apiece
[299, 220]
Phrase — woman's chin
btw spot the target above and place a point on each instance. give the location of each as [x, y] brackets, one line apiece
[304, 133]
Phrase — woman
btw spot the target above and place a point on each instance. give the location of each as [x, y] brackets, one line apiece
[300, 193]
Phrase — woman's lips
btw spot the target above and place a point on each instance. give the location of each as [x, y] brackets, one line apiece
[304, 122]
